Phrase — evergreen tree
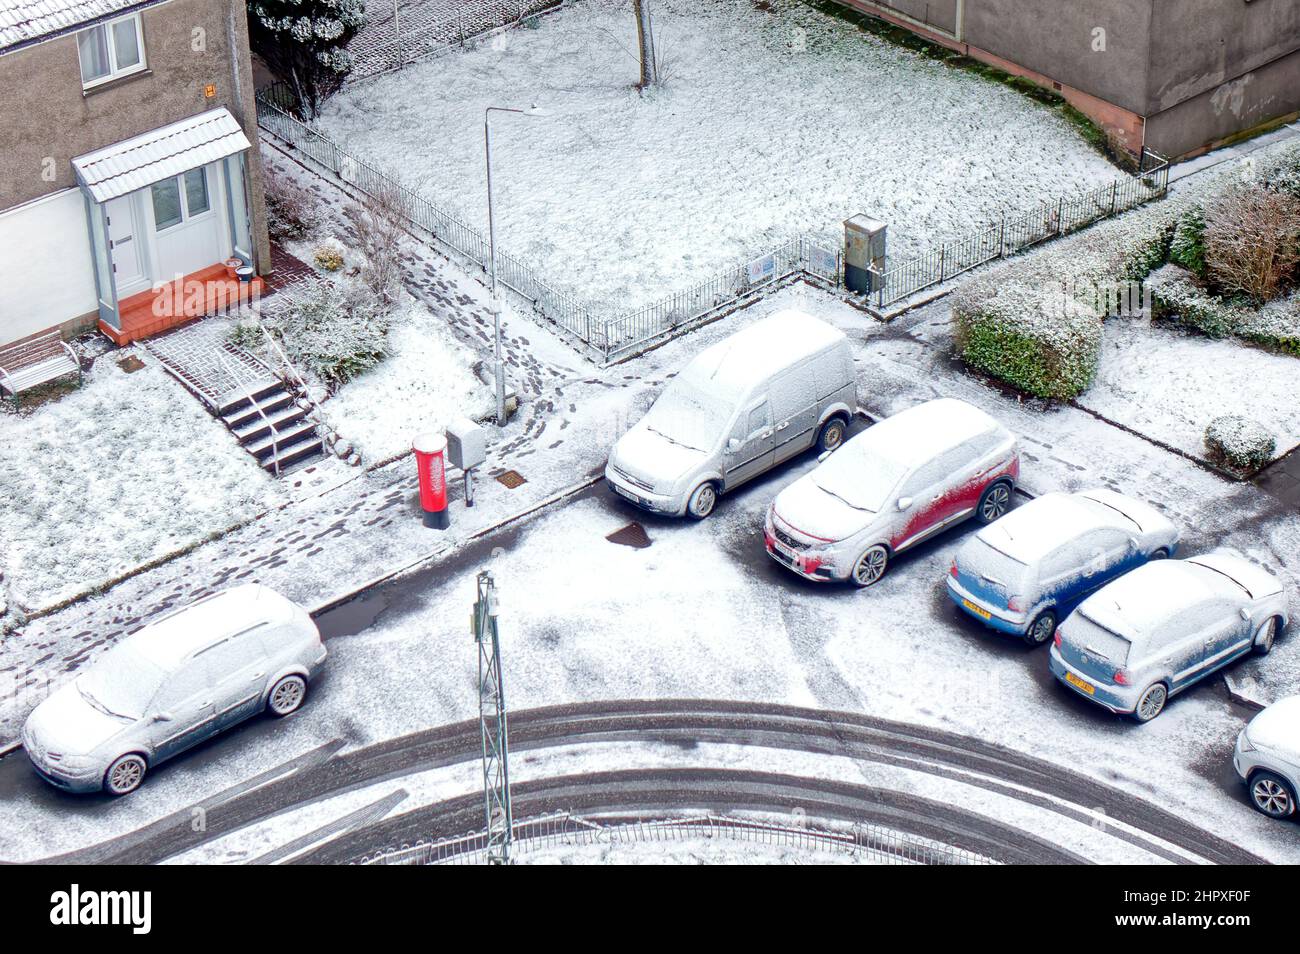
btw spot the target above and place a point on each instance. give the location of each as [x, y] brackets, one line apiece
[303, 42]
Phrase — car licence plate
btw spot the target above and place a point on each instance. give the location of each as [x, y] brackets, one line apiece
[977, 610]
[1078, 683]
[629, 495]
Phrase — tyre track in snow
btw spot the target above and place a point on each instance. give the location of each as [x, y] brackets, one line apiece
[683, 723]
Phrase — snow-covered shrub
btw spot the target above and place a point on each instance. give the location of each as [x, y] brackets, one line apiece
[1276, 325]
[1239, 442]
[1280, 171]
[333, 328]
[1188, 246]
[291, 211]
[380, 222]
[328, 255]
[1178, 295]
[1252, 240]
[1038, 339]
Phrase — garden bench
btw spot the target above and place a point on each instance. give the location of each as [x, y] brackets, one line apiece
[35, 361]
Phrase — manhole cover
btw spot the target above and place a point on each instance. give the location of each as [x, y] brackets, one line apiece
[130, 364]
[511, 479]
[633, 535]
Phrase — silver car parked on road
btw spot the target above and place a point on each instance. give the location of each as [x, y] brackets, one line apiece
[741, 407]
[1268, 758]
[1164, 627]
[178, 681]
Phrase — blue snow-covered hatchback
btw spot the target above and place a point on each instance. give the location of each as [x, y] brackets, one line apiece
[1024, 572]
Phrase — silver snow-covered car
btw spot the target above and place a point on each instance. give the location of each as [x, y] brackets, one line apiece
[897, 483]
[1267, 758]
[741, 407]
[1164, 627]
[178, 681]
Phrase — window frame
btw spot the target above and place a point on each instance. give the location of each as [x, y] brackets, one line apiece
[110, 45]
[183, 197]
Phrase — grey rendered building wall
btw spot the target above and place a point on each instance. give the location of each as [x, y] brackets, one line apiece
[48, 119]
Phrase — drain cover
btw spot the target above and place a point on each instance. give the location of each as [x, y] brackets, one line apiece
[633, 535]
[511, 479]
[130, 364]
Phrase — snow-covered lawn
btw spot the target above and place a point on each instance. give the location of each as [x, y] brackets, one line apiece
[772, 122]
[1168, 385]
[126, 469]
[424, 384]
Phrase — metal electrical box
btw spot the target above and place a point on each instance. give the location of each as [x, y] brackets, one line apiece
[466, 444]
[864, 252]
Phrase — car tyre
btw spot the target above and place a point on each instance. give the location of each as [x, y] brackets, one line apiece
[1161, 554]
[1152, 702]
[702, 500]
[1042, 629]
[871, 566]
[286, 696]
[831, 436]
[994, 502]
[125, 775]
[1265, 636]
[1271, 795]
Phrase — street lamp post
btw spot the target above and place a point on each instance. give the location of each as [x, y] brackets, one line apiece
[498, 365]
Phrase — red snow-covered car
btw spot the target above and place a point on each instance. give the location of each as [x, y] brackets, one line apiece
[889, 488]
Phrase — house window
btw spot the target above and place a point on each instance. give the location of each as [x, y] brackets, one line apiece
[181, 198]
[109, 50]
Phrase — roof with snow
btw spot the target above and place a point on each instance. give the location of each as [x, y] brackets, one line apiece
[752, 356]
[26, 21]
[1031, 532]
[153, 156]
[168, 641]
[925, 431]
[1139, 602]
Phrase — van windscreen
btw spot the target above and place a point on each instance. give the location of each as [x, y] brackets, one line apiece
[687, 415]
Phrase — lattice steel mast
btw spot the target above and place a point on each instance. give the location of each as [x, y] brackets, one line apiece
[492, 723]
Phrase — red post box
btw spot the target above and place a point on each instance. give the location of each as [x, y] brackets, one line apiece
[430, 459]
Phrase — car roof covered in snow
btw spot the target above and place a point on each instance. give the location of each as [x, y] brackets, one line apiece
[734, 367]
[168, 641]
[921, 433]
[1033, 531]
[1140, 602]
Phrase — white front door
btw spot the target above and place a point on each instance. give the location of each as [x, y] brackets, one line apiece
[129, 275]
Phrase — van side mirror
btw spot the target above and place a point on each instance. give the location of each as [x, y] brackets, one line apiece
[904, 503]
[1245, 614]
[733, 445]
[163, 717]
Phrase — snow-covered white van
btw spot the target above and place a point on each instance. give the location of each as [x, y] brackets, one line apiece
[741, 407]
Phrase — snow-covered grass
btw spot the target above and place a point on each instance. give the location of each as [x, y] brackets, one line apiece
[424, 384]
[126, 469]
[1169, 385]
[772, 122]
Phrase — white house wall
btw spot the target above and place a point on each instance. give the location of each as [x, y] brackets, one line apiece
[45, 258]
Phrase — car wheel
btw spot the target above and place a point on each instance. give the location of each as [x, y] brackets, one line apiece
[995, 502]
[125, 775]
[1041, 629]
[703, 500]
[871, 566]
[1152, 703]
[831, 436]
[1271, 795]
[1161, 554]
[286, 695]
[1265, 636]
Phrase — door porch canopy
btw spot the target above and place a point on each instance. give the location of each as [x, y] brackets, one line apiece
[161, 153]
